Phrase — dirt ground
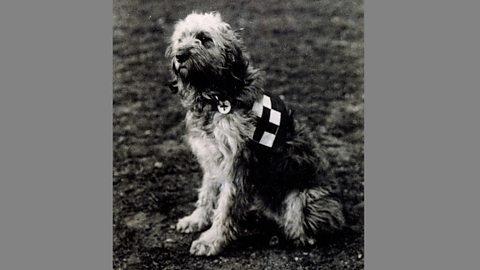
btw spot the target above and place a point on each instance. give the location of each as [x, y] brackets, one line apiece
[312, 53]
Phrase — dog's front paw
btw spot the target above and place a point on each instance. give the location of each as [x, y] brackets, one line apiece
[209, 244]
[192, 223]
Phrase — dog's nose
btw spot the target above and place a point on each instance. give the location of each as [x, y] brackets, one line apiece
[182, 56]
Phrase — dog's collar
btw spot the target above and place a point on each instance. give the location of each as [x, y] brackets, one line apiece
[221, 105]
[224, 106]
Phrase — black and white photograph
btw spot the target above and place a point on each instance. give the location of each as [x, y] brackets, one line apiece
[232, 135]
[238, 134]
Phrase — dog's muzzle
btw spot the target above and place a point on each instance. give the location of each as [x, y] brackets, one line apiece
[182, 57]
[183, 54]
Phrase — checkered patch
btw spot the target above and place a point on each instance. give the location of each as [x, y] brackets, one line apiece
[270, 111]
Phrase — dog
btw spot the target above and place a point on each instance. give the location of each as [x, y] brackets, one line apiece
[251, 151]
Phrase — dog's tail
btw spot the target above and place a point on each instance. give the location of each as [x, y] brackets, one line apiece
[322, 213]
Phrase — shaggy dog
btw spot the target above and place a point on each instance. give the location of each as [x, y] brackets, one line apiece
[250, 149]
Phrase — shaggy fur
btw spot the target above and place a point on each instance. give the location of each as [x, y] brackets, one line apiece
[290, 185]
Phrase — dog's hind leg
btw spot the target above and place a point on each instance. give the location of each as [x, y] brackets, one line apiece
[309, 213]
[292, 220]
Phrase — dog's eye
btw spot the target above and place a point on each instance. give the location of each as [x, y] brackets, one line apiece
[203, 38]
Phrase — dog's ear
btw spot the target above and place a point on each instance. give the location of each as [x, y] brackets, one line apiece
[236, 60]
[235, 57]
[233, 53]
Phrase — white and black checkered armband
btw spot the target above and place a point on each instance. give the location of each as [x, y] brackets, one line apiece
[271, 122]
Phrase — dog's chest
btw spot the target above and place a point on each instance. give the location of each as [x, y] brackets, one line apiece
[216, 137]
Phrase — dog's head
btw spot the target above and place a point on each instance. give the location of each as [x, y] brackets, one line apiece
[207, 54]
